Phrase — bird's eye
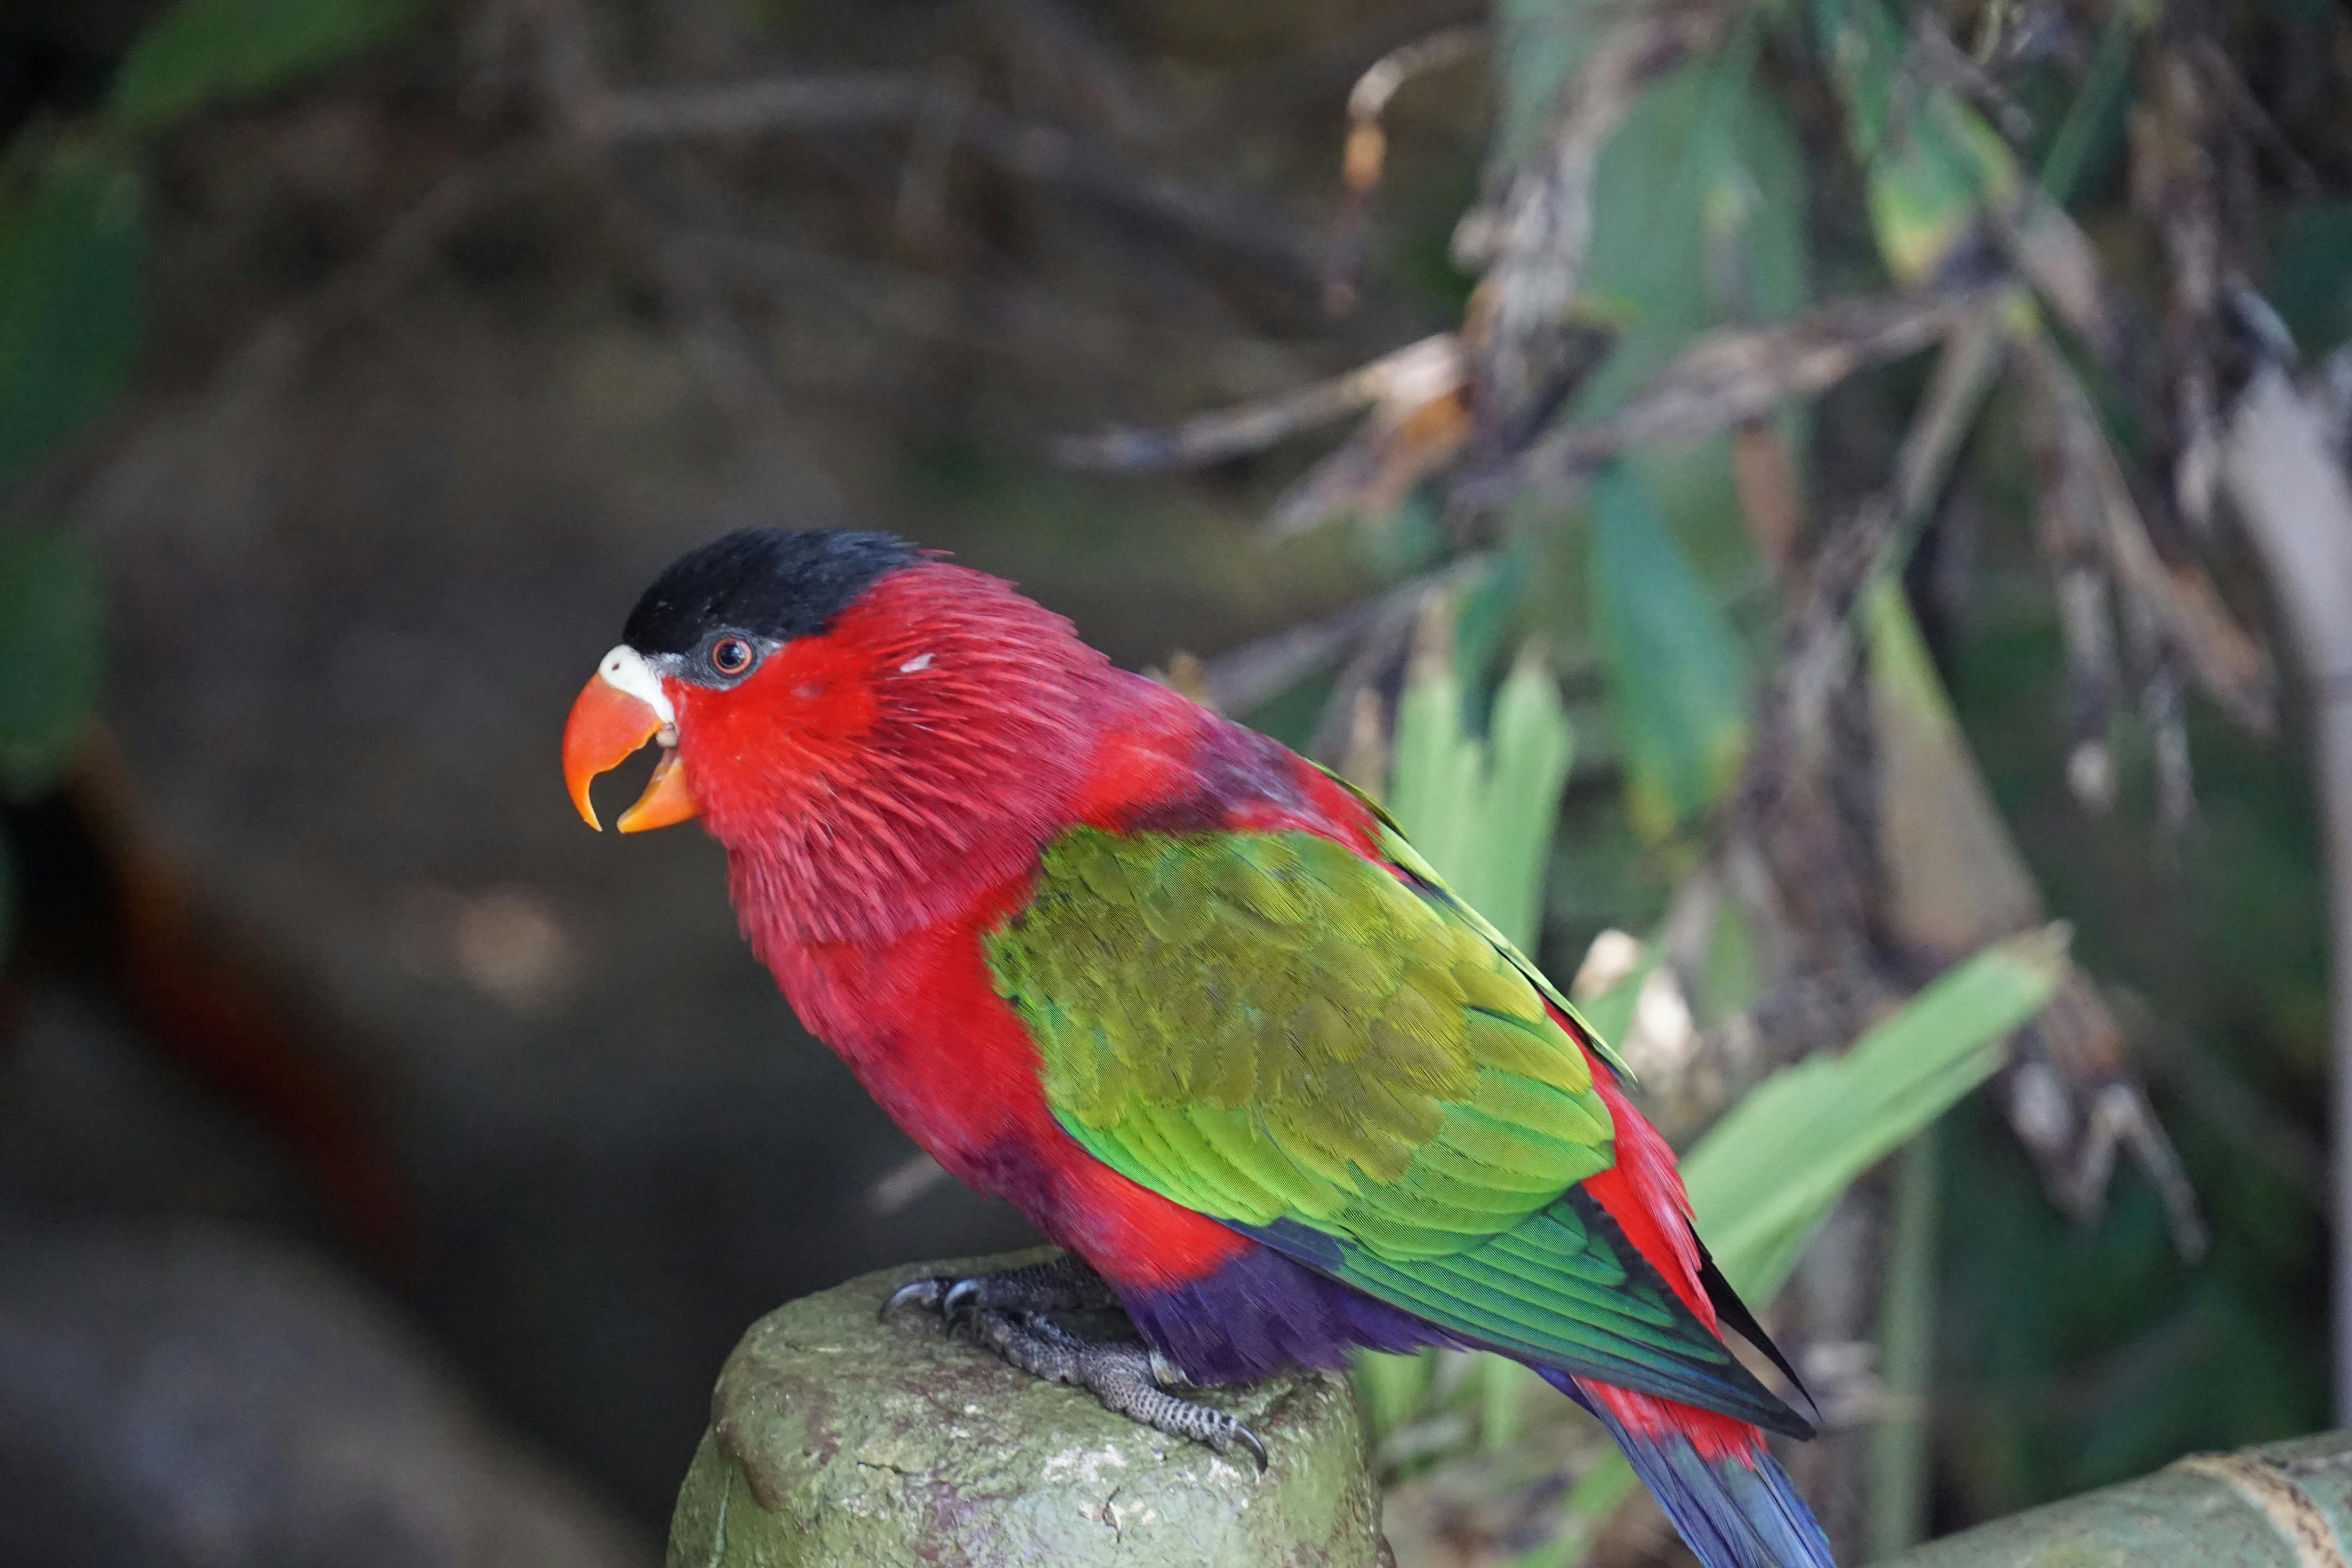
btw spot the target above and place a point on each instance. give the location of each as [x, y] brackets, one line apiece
[731, 656]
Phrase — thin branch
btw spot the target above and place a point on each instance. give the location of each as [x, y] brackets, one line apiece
[2228, 663]
[1537, 238]
[1043, 153]
[1241, 678]
[1365, 154]
[1731, 376]
[1413, 373]
[2295, 499]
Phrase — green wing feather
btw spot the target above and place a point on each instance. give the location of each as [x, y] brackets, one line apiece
[1351, 1065]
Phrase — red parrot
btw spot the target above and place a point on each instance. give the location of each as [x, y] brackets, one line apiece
[1189, 1003]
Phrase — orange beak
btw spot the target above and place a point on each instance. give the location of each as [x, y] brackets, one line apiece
[606, 727]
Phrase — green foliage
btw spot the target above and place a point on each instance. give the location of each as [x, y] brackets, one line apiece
[1765, 1176]
[205, 52]
[2310, 276]
[1482, 812]
[1932, 162]
[1677, 676]
[1699, 204]
[51, 653]
[72, 252]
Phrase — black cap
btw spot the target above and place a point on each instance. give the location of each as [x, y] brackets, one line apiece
[764, 580]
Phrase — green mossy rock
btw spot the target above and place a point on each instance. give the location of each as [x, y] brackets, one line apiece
[839, 1441]
[2288, 1505]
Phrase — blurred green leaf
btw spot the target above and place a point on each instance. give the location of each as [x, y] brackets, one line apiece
[2310, 277]
[208, 51]
[1582, 1514]
[1390, 1389]
[50, 653]
[1676, 674]
[1539, 44]
[1482, 813]
[1933, 163]
[72, 251]
[1766, 1175]
[1698, 218]
[2094, 120]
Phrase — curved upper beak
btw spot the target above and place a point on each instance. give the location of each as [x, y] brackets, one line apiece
[608, 723]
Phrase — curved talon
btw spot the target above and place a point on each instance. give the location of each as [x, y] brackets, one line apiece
[1243, 1435]
[962, 1299]
[927, 1292]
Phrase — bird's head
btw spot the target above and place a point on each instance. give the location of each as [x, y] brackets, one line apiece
[857, 720]
[736, 628]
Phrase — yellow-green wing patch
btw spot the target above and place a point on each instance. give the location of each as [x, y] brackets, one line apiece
[1267, 1026]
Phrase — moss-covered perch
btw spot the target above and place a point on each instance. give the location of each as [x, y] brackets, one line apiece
[2288, 1505]
[839, 1441]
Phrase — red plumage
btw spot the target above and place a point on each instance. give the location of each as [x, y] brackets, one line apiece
[883, 787]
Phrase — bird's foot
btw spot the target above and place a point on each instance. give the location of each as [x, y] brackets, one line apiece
[1063, 1284]
[1006, 1313]
[1126, 1377]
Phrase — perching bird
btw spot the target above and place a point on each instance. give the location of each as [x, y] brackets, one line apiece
[1190, 1004]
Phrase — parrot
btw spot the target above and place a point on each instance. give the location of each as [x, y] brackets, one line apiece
[1189, 1003]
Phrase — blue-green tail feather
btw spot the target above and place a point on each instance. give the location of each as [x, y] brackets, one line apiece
[1733, 1512]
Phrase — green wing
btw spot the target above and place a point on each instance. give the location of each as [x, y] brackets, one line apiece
[1273, 1030]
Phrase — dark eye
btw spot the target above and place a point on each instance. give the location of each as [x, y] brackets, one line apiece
[731, 656]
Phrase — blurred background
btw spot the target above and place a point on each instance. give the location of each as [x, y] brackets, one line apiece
[1905, 441]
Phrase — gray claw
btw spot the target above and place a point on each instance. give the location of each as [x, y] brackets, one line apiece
[928, 1293]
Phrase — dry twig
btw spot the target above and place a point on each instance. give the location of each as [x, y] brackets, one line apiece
[2286, 479]
[1366, 151]
[1403, 378]
[1731, 376]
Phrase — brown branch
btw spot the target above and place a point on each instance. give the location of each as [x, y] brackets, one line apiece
[2180, 599]
[1728, 378]
[1241, 678]
[1365, 154]
[1397, 377]
[1042, 154]
[1537, 238]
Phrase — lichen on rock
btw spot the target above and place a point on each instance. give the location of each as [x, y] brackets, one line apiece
[840, 1441]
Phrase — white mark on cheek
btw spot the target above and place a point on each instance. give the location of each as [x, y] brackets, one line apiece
[920, 661]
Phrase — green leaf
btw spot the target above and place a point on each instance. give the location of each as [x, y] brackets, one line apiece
[1390, 1389]
[1676, 674]
[1766, 1175]
[202, 52]
[1482, 813]
[1934, 165]
[72, 251]
[1768, 1171]
[2310, 277]
[50, 653]
[1698, 218]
